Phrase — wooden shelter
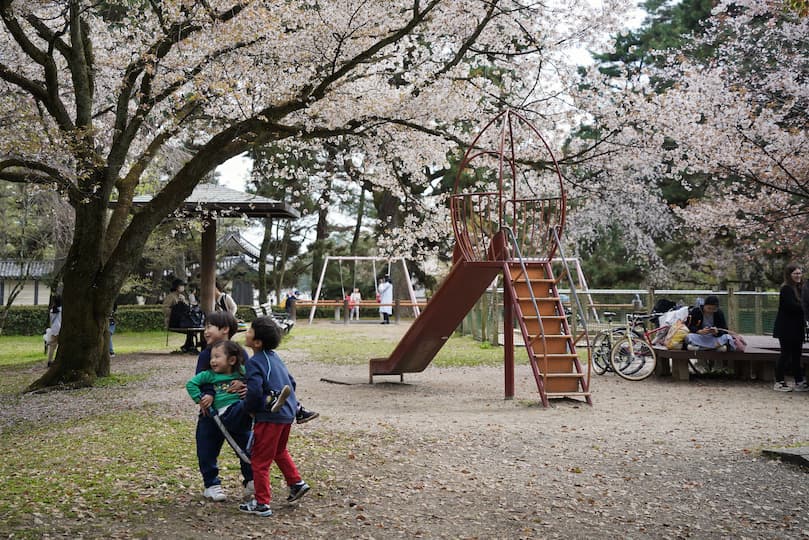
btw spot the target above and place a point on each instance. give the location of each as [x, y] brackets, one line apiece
[213, 201]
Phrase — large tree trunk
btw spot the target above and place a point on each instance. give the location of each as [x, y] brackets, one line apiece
[321, 235]
[388, 208]
[280, 260]
[87, 300]
[355, 239]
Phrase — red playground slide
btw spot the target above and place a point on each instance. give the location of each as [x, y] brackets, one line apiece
[463, 287]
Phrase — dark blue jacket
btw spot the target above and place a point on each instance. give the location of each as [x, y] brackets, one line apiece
[789, 321]
[266, 371]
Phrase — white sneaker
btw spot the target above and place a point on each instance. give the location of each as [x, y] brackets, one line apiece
[215, 493]
[781, 386]
[801, 387]
[249, 490]
[722, 348]
[693, 347]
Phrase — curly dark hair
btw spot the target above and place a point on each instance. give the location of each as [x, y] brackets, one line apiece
[265, 329]
[231, 349]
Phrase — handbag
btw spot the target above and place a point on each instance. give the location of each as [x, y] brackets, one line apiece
[676, 335]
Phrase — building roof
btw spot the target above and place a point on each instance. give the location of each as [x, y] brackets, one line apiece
[226, 201]
[14, 269]
[235, 240]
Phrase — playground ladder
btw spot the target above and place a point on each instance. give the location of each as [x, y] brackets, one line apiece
[541, 316]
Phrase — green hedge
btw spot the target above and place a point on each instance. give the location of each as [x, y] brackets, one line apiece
[26, 321]
[33, 320]
[139, 318]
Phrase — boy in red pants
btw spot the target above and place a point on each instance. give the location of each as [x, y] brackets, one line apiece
[267, 373]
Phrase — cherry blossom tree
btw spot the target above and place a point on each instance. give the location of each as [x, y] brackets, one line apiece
[95, 92]
[741, 118]
[726, 117]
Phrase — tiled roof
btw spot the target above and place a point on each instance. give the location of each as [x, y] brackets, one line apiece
[240, 243]
[14, 269]
[210, 197]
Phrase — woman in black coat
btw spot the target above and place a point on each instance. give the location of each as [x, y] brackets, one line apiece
[789, 329]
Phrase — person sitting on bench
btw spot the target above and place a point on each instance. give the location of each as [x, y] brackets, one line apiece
[707, 327]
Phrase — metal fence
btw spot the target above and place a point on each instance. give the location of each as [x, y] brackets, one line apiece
[747, 312]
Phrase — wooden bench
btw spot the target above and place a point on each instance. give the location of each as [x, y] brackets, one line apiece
[756, 362]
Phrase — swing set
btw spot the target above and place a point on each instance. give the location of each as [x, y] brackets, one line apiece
[339, 259]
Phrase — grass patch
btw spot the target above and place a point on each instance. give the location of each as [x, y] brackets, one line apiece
[101, 466]
[119, 466]
[118, 379]
[341, 345]
[21, 350]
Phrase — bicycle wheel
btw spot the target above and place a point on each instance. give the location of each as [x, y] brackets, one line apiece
[602, 345]
[633, 359]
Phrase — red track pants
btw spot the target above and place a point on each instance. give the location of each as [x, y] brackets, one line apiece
[270, 444]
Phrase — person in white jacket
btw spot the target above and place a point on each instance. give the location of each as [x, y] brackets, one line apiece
[385, 291]
[52, 333]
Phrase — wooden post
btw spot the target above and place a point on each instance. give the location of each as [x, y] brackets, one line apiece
[346, 311]
[508, 343]
[396, 309]
[759, 325]
[573, 312]
[733, 315]
[207, 272]
[496, 310]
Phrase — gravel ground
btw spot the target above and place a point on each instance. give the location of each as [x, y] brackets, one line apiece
[444, 456]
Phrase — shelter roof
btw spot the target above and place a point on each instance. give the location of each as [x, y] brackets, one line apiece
[15, 268]
[225, 201]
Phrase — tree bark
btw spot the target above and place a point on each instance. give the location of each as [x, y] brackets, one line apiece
[321, 235]
[82, 355]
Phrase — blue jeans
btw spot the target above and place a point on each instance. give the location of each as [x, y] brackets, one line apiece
[112, 331]
[210, 440]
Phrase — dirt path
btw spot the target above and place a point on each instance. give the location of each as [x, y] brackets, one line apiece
[444, 456]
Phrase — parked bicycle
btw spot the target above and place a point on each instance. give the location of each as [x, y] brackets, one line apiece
[633, 356]
[604, 342]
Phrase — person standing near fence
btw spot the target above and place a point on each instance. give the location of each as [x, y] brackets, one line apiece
[790, 329]
[385, 291]
[289, 306]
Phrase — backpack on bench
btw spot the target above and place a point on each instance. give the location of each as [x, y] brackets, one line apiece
[184, 316]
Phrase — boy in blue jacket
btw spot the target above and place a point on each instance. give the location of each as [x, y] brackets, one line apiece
[266, 373]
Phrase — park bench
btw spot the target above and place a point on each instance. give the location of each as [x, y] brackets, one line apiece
[756, 362]
[280, 318]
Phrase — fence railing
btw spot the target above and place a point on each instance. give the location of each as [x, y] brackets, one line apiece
[747, 312]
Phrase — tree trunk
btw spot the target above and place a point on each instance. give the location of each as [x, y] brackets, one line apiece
[280, 261]
[360, 211]
[321, 235]
[87, 300]
[390, 217]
